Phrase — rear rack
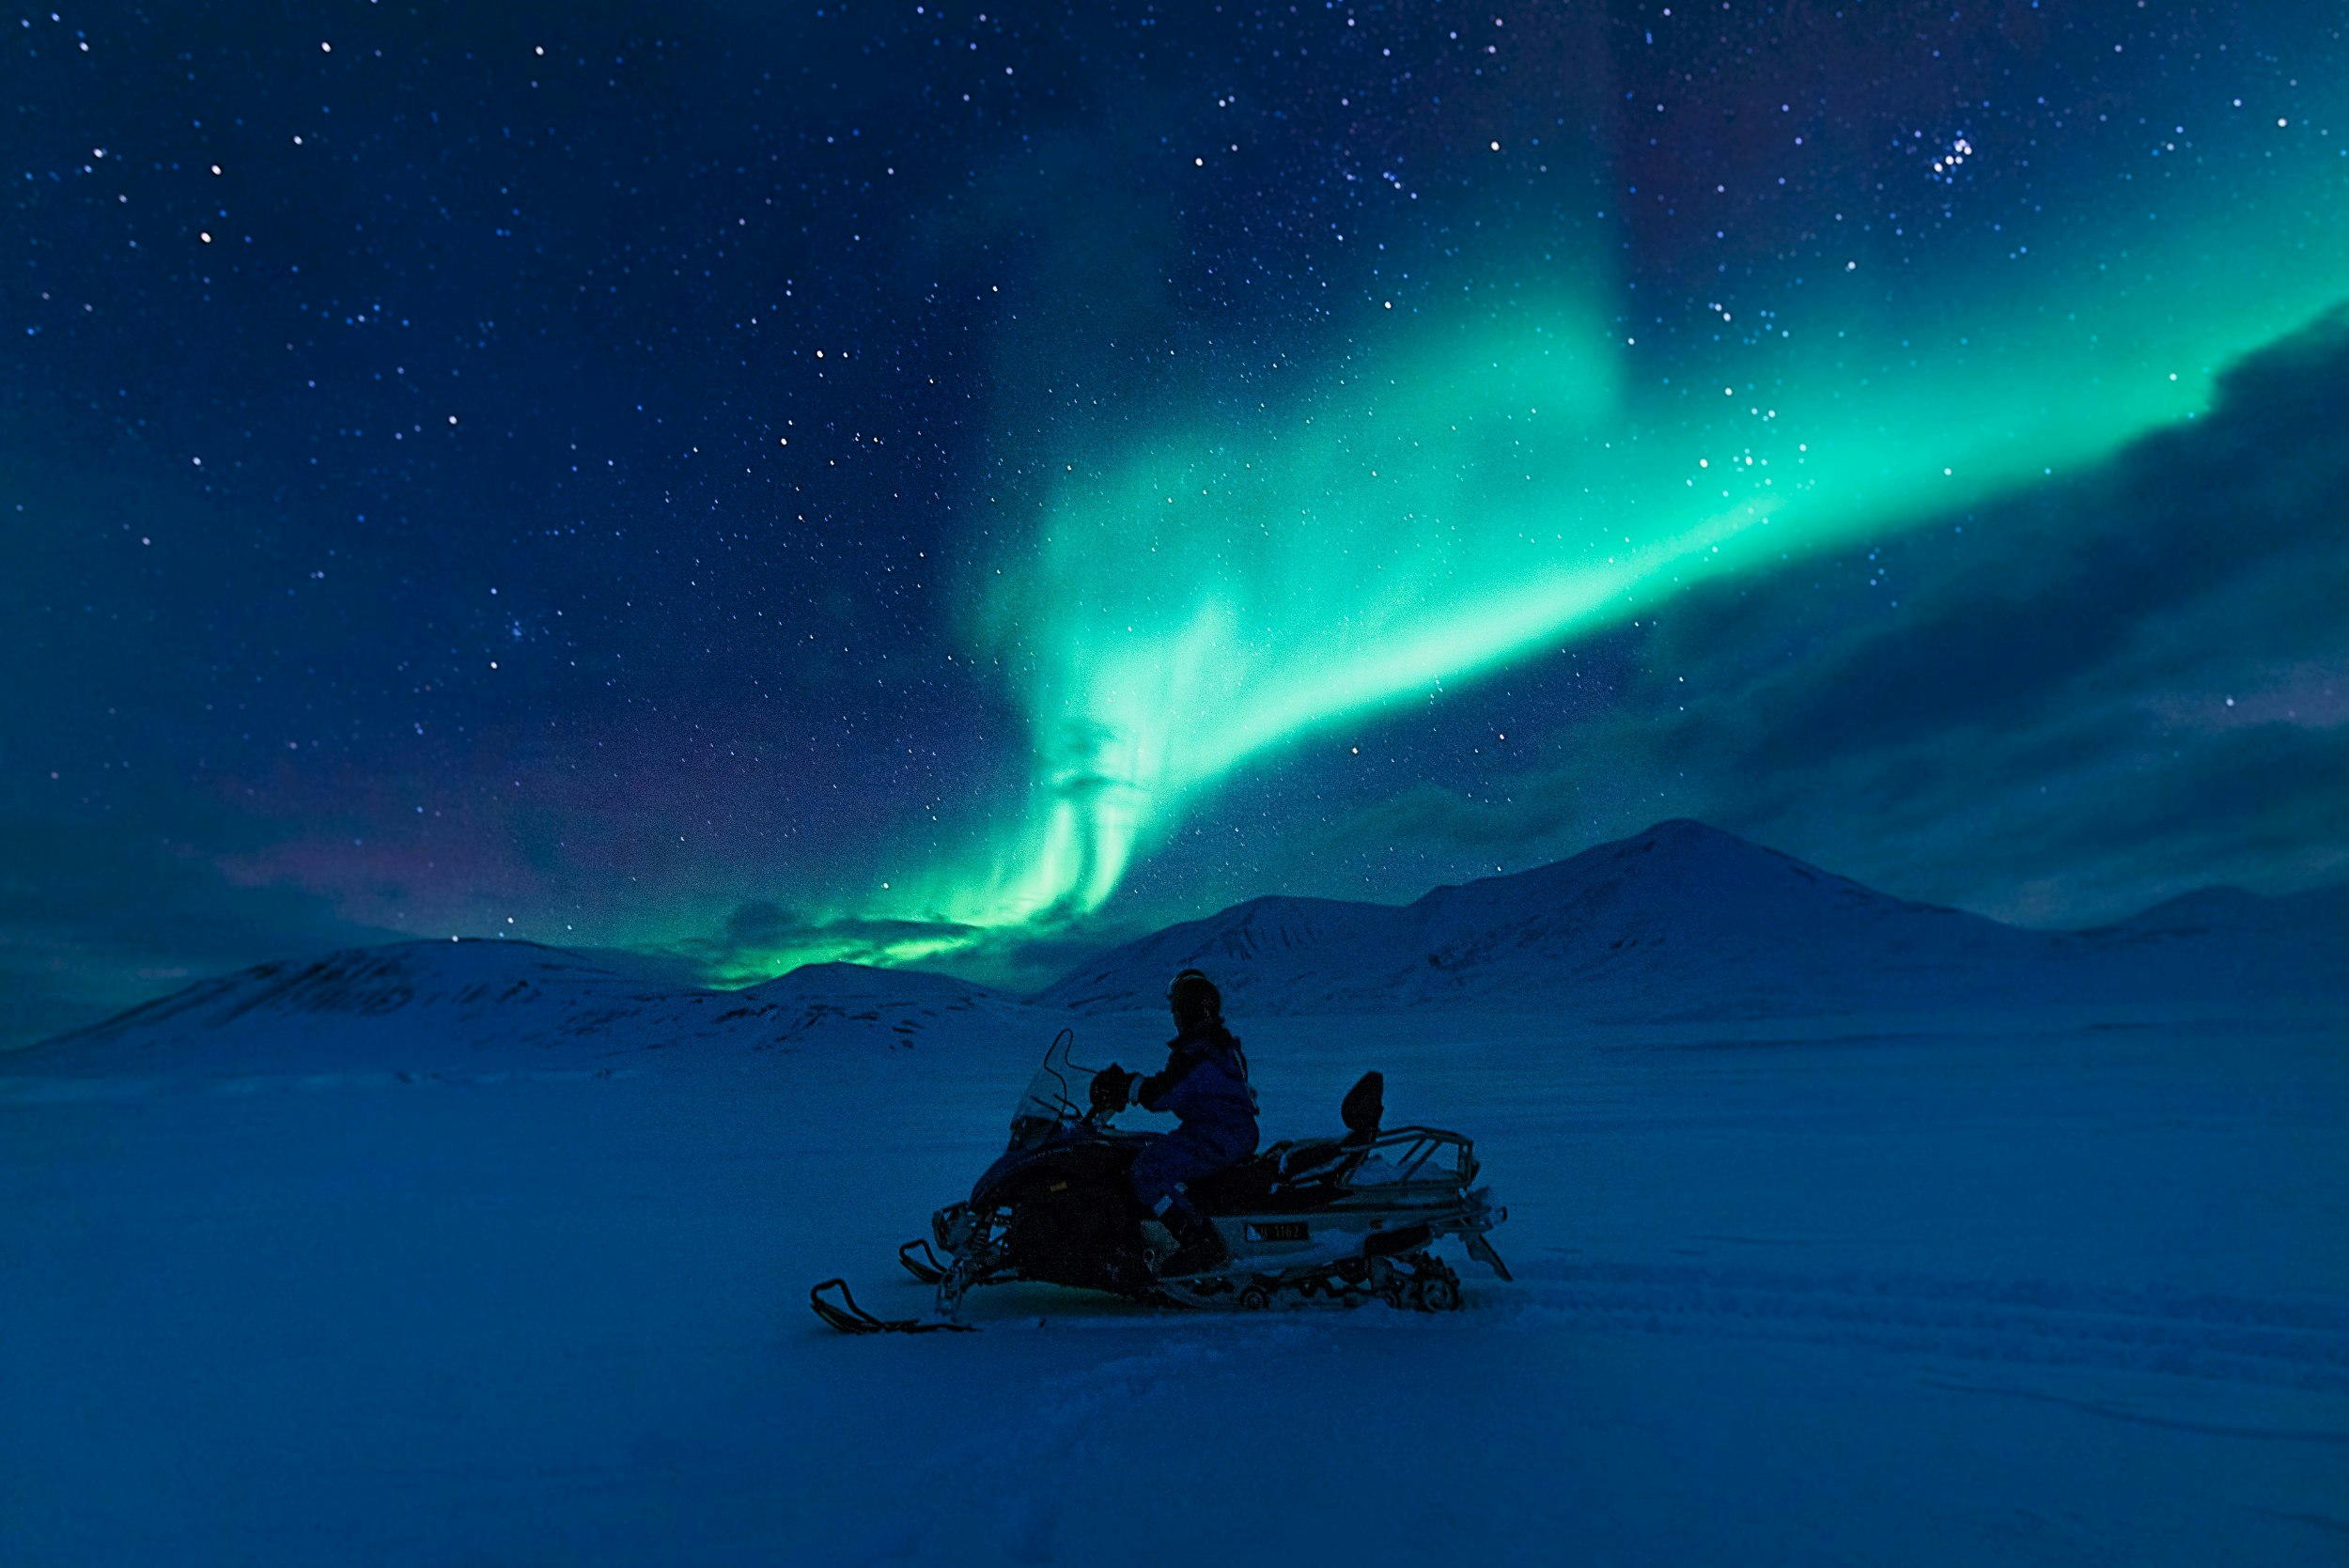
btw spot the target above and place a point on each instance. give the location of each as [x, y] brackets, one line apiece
[1410, 1150]
[1413, 1149]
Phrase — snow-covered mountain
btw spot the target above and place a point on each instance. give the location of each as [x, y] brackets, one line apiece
[444, 1003]
[1680, 922]
[1686, 921]
[2235, 914]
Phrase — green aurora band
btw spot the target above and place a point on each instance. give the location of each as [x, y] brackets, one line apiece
[1473, 489]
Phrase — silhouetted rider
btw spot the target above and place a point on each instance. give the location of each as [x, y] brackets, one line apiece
[1205, 1087]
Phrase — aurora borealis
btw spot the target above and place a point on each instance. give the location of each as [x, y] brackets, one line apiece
[1438, 523]
[881, 483]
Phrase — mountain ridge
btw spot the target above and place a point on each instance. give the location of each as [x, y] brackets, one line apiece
[1687, 920]
[1680, 920]
[451, 1002]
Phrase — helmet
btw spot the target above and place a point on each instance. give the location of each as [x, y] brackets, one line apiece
[1194, 998]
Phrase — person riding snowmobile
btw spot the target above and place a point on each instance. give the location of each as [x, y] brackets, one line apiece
[1205, 1087]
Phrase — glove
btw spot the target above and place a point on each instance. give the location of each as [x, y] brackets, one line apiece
[1112, 1088]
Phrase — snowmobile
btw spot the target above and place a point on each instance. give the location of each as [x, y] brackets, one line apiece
[1345, 1220]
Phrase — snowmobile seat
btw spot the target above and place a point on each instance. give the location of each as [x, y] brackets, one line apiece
[1318, 1158]
[1304, 1163]
[1310, 1157]
[1242, 1187]
[1282, 1175]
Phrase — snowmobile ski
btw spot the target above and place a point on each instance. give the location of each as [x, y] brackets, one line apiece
[850, 1318]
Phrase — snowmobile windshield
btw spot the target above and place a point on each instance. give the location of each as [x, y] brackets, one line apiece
[1058, 1095]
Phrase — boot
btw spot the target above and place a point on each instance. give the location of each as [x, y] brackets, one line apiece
[1199, 1245]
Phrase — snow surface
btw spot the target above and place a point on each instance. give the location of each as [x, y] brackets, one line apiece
[1787, 1293]
[482, 1253]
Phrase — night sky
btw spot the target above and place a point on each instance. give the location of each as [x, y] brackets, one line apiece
[749, 484]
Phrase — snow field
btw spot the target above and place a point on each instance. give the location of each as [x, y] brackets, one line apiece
[1841, 1290]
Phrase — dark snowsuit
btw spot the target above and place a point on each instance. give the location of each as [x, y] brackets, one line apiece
[1205, 1086]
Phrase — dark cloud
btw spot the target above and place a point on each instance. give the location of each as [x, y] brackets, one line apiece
[2062, 582]
[2060, 707]
[95, 917]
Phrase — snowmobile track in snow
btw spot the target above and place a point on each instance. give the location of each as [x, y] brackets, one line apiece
[2286, 1343]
